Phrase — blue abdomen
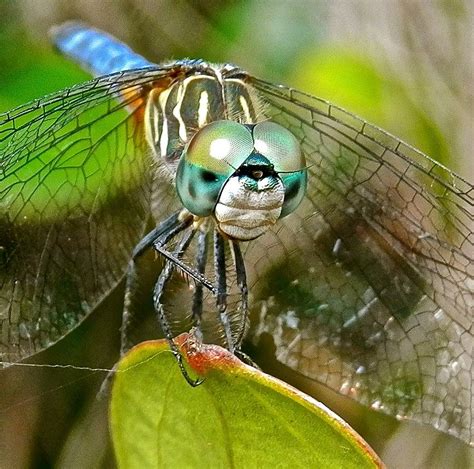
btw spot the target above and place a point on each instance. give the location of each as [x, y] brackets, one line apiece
[94, 50]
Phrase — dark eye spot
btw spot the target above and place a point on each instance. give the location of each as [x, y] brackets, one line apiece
[292, 190]
[207, 176]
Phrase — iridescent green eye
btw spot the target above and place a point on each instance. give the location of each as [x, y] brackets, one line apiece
[209, 159]
[220, 147]
[280, 146]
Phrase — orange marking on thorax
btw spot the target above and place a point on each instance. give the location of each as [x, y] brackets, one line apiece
[137, 97]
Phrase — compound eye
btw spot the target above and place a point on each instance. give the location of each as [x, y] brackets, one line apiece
[220, 147]
[280, 146]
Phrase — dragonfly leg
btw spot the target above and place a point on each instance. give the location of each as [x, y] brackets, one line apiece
[201, 260]
[171, 225]
[158, 291]
[246, 359]
[131, 276]
[242, 284]
[186, 269]
[221, 294]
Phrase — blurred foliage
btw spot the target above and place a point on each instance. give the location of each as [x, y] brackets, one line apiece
[39, 72]
[346, 77]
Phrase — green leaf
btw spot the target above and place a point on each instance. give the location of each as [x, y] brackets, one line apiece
[238, 417]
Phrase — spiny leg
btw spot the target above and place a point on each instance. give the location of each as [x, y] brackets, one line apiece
[173, 231]
[186, 269]
[221, 300]
[201, 260]
[131, 286]
[157, 293]
[242, 284]
[131, 276]
[242, 356]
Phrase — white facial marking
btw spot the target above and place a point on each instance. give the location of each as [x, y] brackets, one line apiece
[244, 214]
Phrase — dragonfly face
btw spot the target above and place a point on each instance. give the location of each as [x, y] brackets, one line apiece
[295, 220]
[233, 171]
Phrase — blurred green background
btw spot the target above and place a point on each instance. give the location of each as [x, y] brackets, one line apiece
[405, 65]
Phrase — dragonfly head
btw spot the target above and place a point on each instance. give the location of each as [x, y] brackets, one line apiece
[246, 175]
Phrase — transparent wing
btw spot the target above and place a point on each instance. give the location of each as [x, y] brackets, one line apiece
[75, 183]
[368, 287]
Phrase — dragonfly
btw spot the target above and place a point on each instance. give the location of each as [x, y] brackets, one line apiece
[264, 212]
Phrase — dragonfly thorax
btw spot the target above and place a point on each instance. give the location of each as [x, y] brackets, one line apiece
[174, 113]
